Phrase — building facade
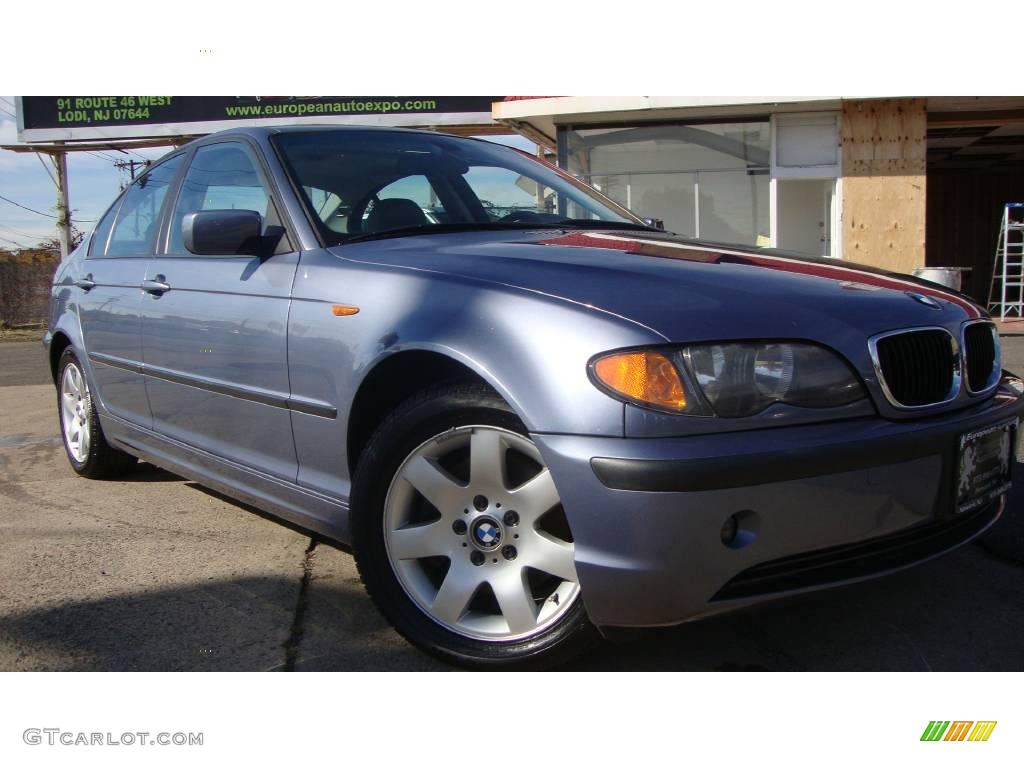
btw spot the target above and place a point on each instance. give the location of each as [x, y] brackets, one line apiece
[891, 182]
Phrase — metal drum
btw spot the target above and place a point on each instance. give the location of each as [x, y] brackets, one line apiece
[951, 277]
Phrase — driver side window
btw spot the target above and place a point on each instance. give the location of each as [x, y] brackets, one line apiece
[220, 177]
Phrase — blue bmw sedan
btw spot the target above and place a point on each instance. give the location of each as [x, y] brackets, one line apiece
[533, 417]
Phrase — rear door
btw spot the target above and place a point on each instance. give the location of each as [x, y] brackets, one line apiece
[214, 327]
[109, 292]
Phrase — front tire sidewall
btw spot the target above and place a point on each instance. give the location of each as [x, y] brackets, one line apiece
[411, 425]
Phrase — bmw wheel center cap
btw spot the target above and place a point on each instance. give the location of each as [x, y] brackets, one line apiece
[486, 533]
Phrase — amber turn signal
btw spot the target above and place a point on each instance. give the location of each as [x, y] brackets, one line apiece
[645, 376]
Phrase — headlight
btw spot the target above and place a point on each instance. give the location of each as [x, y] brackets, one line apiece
[729, 380]
[744, 379]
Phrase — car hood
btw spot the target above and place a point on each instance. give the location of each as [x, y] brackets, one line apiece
[684, 290]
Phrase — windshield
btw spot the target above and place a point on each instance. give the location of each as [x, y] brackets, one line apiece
[364, 183]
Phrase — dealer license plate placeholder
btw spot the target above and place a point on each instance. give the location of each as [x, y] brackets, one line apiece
[984, 464]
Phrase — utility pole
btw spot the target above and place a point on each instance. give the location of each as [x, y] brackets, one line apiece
[60, 164]
[130, 165]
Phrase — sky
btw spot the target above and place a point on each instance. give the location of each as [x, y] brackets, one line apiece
[93, 183]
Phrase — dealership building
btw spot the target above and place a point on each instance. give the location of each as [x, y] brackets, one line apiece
[899, 183]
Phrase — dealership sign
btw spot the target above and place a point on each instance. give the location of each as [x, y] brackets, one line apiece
[71, 118]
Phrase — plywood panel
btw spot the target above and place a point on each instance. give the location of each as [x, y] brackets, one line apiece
[884, 152]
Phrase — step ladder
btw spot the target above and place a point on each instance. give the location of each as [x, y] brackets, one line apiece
[1006, 291]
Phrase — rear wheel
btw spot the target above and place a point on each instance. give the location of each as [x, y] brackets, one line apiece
[88, 451]
[460, 535]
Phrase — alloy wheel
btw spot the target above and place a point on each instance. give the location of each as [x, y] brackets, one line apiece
[476, 535]
[75, 412]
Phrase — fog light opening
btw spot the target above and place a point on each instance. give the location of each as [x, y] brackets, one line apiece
[740, 529]
[730, 528]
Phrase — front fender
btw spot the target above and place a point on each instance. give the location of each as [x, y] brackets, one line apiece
[532, 348]
[534, 353]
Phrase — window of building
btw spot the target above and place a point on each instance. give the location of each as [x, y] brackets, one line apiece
[805, 167]
[704, 180]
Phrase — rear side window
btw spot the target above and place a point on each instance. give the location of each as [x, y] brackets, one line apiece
[220, 177]
[138, 218]
[100, 237]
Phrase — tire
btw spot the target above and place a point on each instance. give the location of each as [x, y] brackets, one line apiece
[87, 449]
[1005, 539]
[452, 539]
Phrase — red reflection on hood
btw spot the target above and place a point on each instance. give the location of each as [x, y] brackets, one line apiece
[853, 275]
[617, 242]
[689, 252]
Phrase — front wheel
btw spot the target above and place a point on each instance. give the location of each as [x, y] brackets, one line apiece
[460, 536]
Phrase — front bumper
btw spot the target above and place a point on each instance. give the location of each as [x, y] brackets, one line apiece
[820, 505]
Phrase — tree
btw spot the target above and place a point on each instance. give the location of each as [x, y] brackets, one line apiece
[53, 243]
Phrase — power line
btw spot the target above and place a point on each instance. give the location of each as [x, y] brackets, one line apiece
[48, 215]
[108, 158]
[101, 157]
[32, 210]
[129, 165]
[17, 245]
[48, 172]
[137, 154]
[24, 245]
[17, 232]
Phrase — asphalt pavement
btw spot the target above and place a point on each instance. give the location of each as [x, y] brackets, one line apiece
[153, 572]
[23, 363]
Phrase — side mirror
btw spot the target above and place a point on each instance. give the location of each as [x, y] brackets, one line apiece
[223, 233]
[656, 223]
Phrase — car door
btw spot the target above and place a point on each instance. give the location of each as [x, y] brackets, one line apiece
[214, 327]
[109, 292]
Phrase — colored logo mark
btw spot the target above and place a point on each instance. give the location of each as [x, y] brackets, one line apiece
[958, 730]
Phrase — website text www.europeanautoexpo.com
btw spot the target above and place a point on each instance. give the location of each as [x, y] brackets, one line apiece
[328, 107]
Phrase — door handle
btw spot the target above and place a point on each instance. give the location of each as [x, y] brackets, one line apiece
[85, 283]
[157, 286]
